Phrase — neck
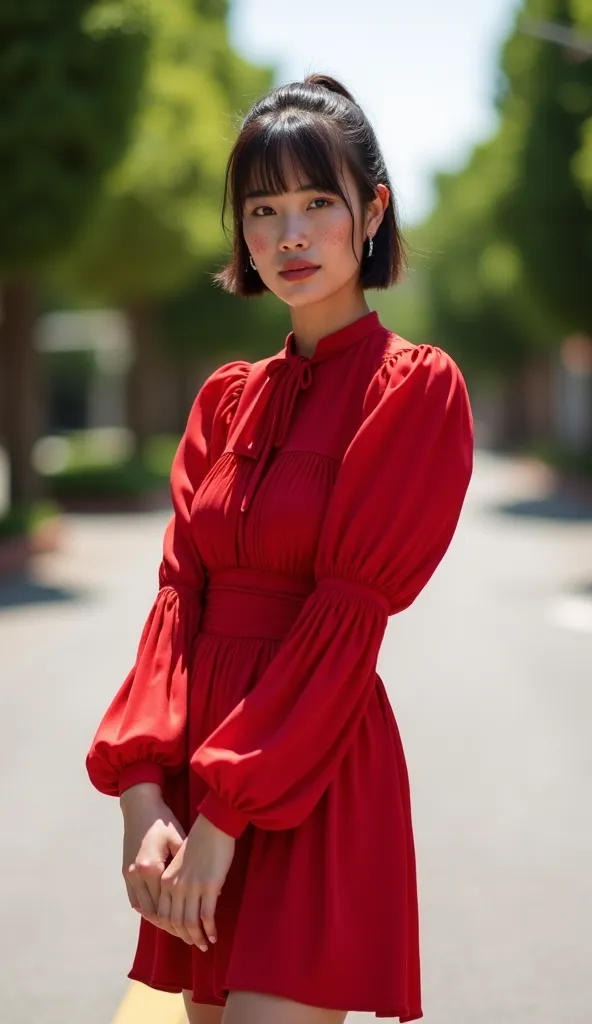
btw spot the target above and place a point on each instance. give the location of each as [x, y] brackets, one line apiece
[311, 323]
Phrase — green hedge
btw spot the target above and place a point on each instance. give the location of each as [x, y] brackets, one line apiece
[129, 477]
[568, 460]
[25, 518]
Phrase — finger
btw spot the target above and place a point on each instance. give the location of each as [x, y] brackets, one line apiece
[209, 900]
[152, 880]
[134, 876]
[131, 895]
[192, 922]
[146, 878]
[178, 915]
[176, 838]
[163, 912]
[147, 908]
[131, 882]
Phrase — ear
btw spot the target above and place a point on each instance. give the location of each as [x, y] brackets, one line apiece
[376, 210]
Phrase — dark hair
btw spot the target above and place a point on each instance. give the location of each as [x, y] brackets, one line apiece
[319, 126]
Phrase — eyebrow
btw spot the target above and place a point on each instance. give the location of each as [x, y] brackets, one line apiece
[311, 187]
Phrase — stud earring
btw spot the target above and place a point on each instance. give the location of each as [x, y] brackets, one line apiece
[251, 262]
[370, 246]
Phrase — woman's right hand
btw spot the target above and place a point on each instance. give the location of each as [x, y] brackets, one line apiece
[152, 834]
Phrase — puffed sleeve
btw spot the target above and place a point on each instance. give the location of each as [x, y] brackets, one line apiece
[142, 733]
[390, 519]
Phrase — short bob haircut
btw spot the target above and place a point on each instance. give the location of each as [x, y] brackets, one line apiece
[317, 125]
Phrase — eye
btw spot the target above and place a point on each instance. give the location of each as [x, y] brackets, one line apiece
[255, 213]
[327, 201]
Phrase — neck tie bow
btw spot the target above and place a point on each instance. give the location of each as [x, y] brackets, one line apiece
[269, 418]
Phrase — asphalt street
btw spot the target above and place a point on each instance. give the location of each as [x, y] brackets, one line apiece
[490, 677]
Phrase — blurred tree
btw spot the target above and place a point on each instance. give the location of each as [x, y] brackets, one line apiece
[69, 77]
[544, 211]
[486, 260]
[480, 307]
[582, 15]
[203, 322]
[160, 215]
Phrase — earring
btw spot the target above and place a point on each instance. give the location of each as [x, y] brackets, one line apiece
[370, 246]
[251, 262]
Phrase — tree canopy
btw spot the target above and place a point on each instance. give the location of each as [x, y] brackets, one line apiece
[69, 80]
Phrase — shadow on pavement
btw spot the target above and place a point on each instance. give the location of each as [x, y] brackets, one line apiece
[583, 590]
[18, 589]
[558, 505]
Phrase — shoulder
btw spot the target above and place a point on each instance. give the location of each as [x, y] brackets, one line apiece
[229, 375]
[419, 369]
[221, 390]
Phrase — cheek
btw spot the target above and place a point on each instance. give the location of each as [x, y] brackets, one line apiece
[336, 235]
[258, 243]
[333, 236]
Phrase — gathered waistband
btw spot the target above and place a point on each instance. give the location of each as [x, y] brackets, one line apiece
[243, 602]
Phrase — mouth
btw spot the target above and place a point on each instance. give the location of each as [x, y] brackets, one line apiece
[299, 274]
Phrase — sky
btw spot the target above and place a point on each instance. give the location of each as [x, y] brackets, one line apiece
[423, 70]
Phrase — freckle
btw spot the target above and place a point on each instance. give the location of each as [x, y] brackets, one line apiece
[333, 236]
[258, 243]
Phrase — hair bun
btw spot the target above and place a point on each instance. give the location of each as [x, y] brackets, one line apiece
[329, 83]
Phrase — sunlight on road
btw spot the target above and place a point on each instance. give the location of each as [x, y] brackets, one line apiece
[573, 613]
[144, 1005]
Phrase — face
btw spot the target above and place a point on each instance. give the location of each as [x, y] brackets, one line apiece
[311, 225]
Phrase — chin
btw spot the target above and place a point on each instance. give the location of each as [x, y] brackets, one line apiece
[302, 296]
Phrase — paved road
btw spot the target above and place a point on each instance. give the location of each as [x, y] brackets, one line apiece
[490, 676]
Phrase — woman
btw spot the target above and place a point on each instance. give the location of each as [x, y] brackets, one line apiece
[268, 838]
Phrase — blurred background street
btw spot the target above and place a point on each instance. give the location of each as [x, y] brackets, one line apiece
[117, 117]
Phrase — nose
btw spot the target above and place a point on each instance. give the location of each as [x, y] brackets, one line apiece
[293, 235]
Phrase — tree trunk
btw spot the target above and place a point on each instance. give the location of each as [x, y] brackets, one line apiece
[21, 392]
[142, 380]
[514, 430]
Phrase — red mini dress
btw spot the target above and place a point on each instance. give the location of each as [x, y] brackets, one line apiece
[312, 499]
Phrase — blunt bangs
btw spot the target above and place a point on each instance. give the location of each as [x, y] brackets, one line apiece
[299, 140]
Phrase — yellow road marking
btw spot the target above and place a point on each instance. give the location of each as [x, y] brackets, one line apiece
[144, 1005]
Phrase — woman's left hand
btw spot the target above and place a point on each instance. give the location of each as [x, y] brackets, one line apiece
[191, 883]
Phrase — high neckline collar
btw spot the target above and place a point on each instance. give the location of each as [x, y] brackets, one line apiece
[336, 341]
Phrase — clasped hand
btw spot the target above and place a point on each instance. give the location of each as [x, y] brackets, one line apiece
[180, 898]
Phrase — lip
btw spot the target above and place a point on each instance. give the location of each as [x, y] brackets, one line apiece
[298, 270]
[297, 265]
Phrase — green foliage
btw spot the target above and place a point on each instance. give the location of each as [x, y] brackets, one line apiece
[582, 165]
[405, 309]
[574, 461]
[69, 76]
[544, 211]
[202, 320]
[503, 261]
[160, 213]
[91, 474]
[217, 9]
[132, 476]
[479, 306]
[26, 518]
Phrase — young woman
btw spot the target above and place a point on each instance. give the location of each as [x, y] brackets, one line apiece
[268, 840]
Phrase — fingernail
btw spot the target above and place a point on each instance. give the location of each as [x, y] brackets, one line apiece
[212, 938]
[204, 949]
